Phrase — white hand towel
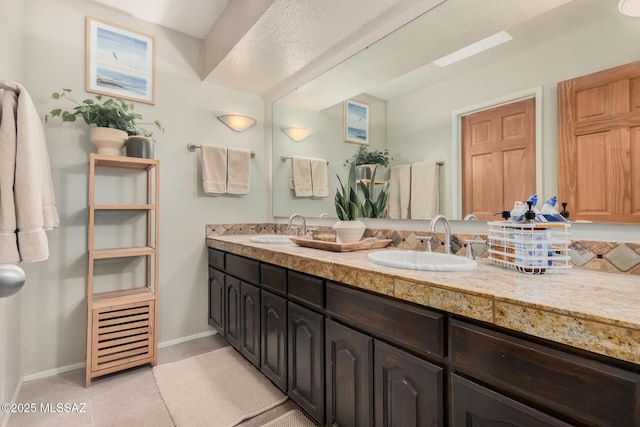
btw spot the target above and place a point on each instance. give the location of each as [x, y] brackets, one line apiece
[214, 169]
[424, 190]
[238, 170]
[399, 191]
[302, 176]
[319, 181]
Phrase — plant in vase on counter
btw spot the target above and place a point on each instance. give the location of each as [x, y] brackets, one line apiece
[113, 120]
[349, 228]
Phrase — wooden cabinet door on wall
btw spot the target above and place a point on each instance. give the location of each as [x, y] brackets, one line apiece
[232, 311]
[273, 362]
[349, 358]
[498, 158]
[306, 359]
[408, 390]
[599, 145]
[216, 300]
[250, 326]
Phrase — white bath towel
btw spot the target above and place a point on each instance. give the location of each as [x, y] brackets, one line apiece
[238, 170]
[425, 195]
[9, 253]
[319, 181]
[33, 195]
[214, 169]
[301, 171]
[399, 191]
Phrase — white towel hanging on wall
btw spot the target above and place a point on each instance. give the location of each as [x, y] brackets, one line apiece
[214, 169]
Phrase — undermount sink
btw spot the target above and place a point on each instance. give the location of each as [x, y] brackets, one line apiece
[420, 260]
[271, 238]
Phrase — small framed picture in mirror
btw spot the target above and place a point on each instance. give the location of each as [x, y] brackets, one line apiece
[356, 122]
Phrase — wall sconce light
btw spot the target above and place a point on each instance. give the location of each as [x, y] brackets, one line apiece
[297, 134]
[237, 122]
[629, 7]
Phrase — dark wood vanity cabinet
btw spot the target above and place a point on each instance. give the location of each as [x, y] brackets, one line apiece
[355, 358]
[581, 390]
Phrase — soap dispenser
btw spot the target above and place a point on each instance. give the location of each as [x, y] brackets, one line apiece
[565, 212]
[529, 215]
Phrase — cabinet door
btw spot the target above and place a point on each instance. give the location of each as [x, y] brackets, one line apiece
[349, 371]
[408, 390]
[274, 338]
[475, 406]
[306, 360]
[250, 326]
[216, 300]
[232, 311]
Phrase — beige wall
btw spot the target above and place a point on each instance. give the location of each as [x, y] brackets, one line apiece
[11, 68]
[53, 304]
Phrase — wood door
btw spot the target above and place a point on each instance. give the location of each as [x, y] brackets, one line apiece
[216, 300]
[475, 406]
[250, 326]
[349, 358]
[306, 360]
[498, 158]
[408, 390]
[274, 338]
[599, 145]
[232, 311]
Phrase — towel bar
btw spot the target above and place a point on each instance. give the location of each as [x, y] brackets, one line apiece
[193, 147]
[285, 158]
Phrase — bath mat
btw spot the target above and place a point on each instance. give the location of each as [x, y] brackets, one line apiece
[216, 389]
[293, 418]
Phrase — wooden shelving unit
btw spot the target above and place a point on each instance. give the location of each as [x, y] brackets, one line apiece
[121, 324]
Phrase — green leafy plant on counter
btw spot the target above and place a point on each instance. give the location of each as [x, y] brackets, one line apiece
[111, 113]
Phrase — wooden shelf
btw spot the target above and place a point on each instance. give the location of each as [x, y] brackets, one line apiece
[120, 324]
[122, 252]
[123, 162]
[368, 181]
[106, 299]
[106, 207]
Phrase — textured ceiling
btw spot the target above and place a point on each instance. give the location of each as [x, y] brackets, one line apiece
[287, 42]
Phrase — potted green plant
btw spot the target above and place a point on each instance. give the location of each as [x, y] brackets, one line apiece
[366, 161]
[113, 120]
[349, 228]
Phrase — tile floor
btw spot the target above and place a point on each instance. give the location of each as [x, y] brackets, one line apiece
[110, 402]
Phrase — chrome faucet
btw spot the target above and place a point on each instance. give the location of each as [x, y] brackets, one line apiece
[470, 217]
[304, 224]
[447, 231]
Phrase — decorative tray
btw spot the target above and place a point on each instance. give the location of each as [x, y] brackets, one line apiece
[368, 243]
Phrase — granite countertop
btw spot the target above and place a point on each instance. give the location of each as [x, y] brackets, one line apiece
[598, 312]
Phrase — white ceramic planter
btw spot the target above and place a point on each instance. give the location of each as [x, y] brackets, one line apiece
[108, 141]
[349, 231]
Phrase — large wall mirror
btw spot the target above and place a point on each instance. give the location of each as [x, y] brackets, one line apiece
[415, 104]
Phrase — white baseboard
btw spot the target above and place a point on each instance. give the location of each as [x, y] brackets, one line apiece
[63, 369]
[188, 338]
[52, 372]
